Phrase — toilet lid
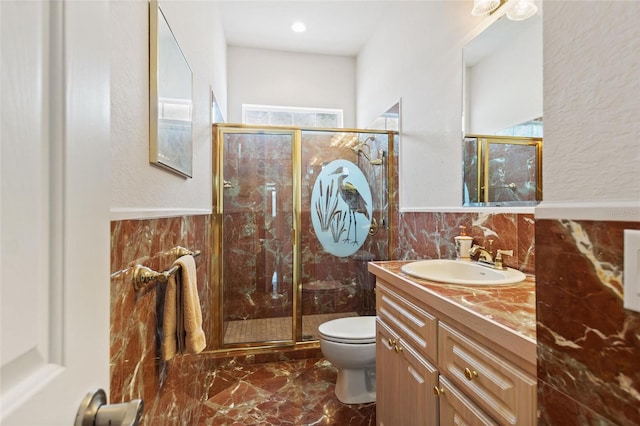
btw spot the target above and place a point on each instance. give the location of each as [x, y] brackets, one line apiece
[350, 330]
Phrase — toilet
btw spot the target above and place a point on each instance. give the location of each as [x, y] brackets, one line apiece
[350, 345]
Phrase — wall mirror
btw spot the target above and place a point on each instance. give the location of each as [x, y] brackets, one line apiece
[170, 98]
[502, 99]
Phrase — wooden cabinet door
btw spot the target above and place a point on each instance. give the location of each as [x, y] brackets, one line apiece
[405, 382]
[388, 399]
[417, 380]
[456, 409]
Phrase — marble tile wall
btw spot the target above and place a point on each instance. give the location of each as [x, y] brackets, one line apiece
[136, 316]
[431, 235]
[174, 392]
[178, 389]
[588, 344]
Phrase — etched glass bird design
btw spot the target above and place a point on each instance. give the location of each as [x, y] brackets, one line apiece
[356, 203]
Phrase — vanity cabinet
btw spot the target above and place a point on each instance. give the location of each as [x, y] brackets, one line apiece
[430, 371]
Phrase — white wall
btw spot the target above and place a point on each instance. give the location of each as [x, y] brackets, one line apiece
[591, 101]
[139, 189]
[416, 56]
[505, 87]
[271, 77]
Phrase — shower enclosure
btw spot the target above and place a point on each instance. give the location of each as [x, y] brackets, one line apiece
[298, 214]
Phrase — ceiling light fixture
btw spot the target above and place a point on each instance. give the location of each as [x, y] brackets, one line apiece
[298, 27]
[521, 9]
[484, 7]
[517, 10]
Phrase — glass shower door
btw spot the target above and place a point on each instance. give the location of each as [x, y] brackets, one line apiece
[257, 206]
[344, 201]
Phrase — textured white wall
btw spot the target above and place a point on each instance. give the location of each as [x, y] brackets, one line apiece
[270, 77]
[591, 101]
[416, 55]
[138, 189]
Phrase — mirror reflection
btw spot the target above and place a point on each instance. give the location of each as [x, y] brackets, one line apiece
[502, 170]
[502, 114]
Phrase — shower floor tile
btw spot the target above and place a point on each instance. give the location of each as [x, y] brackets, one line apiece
[269, 329]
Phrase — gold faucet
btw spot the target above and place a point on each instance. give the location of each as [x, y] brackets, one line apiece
[483, 254]
[485, 257]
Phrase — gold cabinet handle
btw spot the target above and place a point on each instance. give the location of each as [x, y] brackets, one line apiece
[438, 391]
[397, 348]
[470, 374]
[392, 342]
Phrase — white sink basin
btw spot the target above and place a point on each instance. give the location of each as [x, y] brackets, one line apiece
[461, 272]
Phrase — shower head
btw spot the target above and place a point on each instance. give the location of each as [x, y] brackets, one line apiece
[358, 149]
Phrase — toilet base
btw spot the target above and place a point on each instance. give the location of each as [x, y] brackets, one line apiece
[356, 386]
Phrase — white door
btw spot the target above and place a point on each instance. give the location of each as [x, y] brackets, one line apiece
[54, 216]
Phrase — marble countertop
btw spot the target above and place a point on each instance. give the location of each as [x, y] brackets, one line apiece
[508, 311]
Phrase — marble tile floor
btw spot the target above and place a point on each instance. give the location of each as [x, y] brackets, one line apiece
[299, 392]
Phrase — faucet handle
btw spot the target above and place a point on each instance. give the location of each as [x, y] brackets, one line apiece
[505, 252]
[498, 259]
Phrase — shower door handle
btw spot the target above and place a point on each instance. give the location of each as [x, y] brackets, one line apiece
[94, 411]
[374, 227]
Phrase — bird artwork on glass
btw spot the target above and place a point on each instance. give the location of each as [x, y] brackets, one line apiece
[342, 207]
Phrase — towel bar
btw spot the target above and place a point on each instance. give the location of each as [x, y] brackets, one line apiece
[143, 275]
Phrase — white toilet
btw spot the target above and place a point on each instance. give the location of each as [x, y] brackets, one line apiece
[350, 345]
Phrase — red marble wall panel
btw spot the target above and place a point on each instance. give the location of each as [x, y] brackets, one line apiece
[588, 345]
[431, 235]
[137, 370]
[175, 391]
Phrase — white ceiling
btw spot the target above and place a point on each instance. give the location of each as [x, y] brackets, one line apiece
[334, 27]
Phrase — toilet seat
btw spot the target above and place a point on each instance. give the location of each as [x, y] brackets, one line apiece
[351, 330]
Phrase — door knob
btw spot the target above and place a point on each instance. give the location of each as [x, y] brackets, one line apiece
[94, 411]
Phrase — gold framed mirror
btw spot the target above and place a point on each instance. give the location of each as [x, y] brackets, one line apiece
[170, 98]
[502, 115]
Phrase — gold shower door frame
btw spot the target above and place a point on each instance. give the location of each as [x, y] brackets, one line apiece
[484, 143]
[217, 267]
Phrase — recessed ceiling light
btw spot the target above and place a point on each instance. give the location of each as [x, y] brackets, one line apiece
[298, 27]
